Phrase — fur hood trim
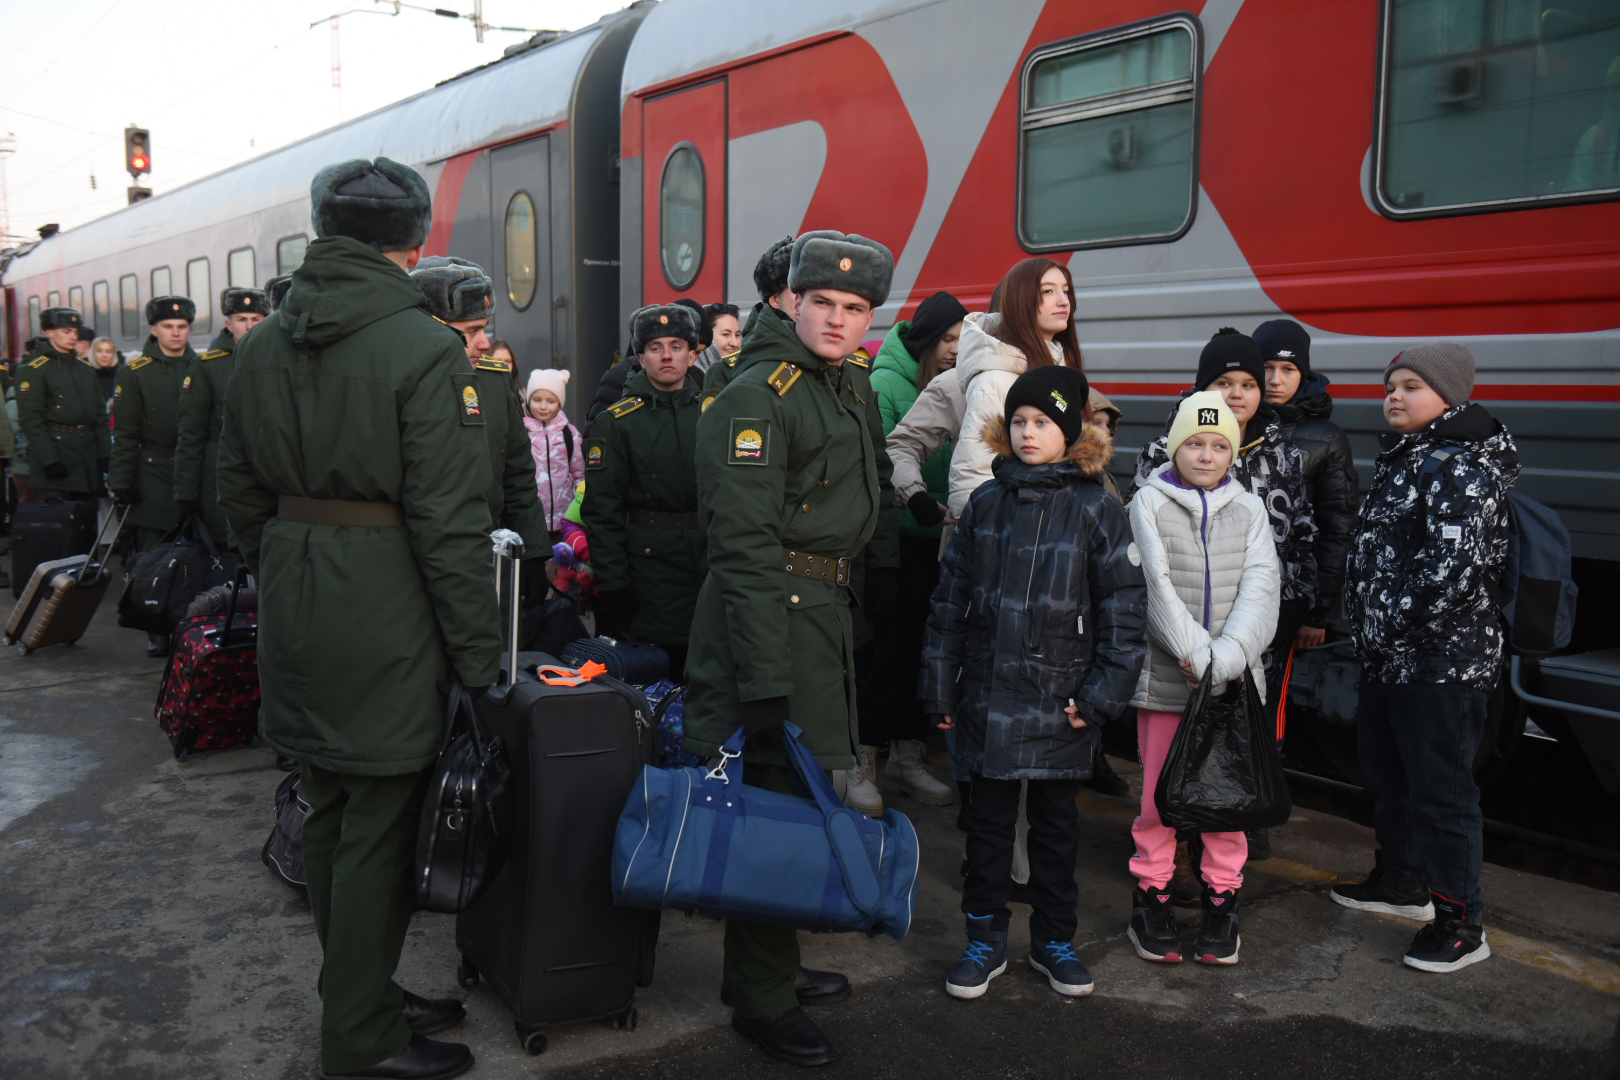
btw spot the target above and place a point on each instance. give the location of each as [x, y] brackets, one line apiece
[1092, 451]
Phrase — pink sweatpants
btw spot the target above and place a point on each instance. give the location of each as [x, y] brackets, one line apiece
[1155, 861]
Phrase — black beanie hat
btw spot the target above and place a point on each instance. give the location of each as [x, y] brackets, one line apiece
[1058, 391]
[934, 316]
[1228, 351]
[1285, 339]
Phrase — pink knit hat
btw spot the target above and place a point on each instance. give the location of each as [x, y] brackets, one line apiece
[552, 379]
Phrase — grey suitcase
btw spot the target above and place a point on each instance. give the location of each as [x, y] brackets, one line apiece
[61, 596]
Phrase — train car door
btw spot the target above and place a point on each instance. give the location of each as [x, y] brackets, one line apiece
[684, 195]
[525, 313]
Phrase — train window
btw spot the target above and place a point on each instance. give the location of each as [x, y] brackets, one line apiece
[129, 306]
[76, 299]
[290, 253]
[522, 251]
[680, 216]
[101, 308]
[33, 316]
[53, 299]
[162, 282]
[1108, 138]
[201, 290]
[239, 269]
[1496, 104]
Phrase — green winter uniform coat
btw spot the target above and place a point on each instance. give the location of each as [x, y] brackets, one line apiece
[640, 458]
[894, 377]
[64, 418]
[202, 411]
[352, 392]
[146, 426]
[514, 500]
[720, 375]
[790, 457]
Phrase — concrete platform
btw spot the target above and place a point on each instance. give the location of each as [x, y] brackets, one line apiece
[141, 937]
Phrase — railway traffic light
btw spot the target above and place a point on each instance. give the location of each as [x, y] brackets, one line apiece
[137, 151]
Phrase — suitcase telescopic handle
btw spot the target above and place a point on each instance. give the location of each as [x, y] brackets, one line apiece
[90, 558]
[508, 547]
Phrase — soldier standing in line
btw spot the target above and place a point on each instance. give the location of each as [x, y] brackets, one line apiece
[81, 345]
[202, 411]
[793, 481]
[459, 294]
[353, 473]
[146, 416]
[640, 508]
[62, 414]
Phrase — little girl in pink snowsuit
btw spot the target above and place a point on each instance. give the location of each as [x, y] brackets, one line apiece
[559, 452]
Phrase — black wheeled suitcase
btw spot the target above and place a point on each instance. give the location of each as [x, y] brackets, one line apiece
[47, 532]
[545, 935]
[56, 605]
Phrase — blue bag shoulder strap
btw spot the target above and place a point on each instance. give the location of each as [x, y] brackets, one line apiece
[844, 825]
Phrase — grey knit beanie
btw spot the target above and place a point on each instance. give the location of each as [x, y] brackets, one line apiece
[1446, 366]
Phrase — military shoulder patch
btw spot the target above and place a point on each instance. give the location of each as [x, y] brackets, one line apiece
[41, 362]
[24, 386]
[750, 441]
[625, 406]
[706, 400]
[489, 363]
[138, 363]
[185, 384]
[595, 453]
[782, 379]
[213, 354]
[468, 407]
[731, 361]
[862, 358]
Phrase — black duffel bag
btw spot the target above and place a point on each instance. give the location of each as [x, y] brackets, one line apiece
[637, 663]
[1223, 772]
[466, 825]
[283, 850]
[161, 584]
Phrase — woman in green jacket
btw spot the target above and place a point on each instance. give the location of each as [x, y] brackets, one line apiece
[913, 354]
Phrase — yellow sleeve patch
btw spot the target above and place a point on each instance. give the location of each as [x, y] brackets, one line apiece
[625, 406]
[782, 379]
[139, 362]
[23, 387]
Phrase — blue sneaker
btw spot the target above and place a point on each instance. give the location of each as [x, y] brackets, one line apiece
[1063, 969]
[985, 958]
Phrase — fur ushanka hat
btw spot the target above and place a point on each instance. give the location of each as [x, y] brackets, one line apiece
[827, 259]
[276, 289]
[771, 272]
[60, 318]
[383, 204]
[243, 302]
[455, 290]
[663, 320]
[160, 308]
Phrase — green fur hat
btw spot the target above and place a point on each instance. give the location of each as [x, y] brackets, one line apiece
[170, 307]
[456, 290]
[243, 302]
[663, 320]
[276, 289]
[827, 259]
[382, 204]
[60, 318]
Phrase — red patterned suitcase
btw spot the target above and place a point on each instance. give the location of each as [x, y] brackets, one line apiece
[209, 699]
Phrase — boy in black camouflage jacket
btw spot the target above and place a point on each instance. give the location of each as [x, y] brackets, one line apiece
[1430, 538]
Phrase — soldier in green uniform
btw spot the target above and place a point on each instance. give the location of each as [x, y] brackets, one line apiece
[793, 491]
[459, 294]
[62, 414]
[353, 475]
[202, 410]
[640, 508]
[146, 423]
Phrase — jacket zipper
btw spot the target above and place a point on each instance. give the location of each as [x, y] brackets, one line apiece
[1203, 532]
[1029, 586]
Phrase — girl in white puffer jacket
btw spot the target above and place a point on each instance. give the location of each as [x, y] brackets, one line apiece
[1214, 586]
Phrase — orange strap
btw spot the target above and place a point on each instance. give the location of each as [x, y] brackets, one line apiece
[1282, 698]
[562, 676]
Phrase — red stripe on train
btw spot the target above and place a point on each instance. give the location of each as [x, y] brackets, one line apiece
[1483, 392]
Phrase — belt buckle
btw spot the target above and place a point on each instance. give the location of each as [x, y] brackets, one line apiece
[842, 571]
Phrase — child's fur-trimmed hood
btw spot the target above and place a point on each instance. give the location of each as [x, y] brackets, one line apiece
[1092, 451]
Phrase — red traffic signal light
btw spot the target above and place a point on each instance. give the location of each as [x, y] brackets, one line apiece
[137, 151]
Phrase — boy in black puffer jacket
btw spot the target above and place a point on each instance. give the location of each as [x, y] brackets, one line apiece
[1300, 398]
[1037, 636]
[1429, 541]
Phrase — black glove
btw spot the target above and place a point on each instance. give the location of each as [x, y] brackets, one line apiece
[882, 591]
[56, 471]
[614, 611]
[925, 508]
[189, 506]
[762, 722]
[126, 496]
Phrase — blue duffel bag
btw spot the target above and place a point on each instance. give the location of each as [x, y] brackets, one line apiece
[698, 839]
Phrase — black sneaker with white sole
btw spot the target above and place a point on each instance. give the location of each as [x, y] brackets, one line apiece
[1218, 939]
[1375, 894]
[1450, 943]
[1153, 926]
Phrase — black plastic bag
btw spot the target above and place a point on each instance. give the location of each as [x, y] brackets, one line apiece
[1223, 773]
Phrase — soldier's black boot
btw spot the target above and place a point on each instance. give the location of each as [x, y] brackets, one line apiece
[790, 1037]
[422, 1059]
[427, 1015]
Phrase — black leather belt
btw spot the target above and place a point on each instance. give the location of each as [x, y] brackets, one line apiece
[67, 429]
[354, 512]
[662, 519]
[815, 567]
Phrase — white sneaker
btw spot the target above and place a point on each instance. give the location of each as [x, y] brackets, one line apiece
[907, 772]
[860, 785]
[840, 782]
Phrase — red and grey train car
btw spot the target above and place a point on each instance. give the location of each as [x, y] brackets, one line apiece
[1381, 172]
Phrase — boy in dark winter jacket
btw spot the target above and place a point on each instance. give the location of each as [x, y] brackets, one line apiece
[1036, 637]
[1430, 539]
